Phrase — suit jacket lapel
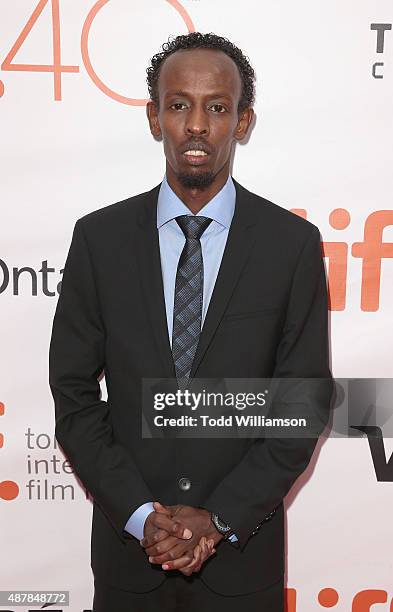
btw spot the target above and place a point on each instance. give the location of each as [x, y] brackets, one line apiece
[149, 265]
[241, 237]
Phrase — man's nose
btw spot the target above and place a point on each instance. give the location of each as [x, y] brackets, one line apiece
[197, 122]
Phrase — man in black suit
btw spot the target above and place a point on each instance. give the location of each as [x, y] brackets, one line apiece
[197, 277]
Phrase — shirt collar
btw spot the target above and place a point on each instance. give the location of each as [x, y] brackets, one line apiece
[220, 208]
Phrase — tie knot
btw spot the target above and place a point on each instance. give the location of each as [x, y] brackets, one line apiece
[193, 226]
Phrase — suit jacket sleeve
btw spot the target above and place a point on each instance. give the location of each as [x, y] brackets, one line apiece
[83, 420]
[258, 484]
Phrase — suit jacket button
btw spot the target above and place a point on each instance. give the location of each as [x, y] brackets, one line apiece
[184, 484]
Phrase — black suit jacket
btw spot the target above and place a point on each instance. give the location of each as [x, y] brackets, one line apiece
[267, 317]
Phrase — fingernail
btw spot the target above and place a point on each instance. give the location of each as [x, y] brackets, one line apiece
[187, 533]
[150, 559]
[165, 566]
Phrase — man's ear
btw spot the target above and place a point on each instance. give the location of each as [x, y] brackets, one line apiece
[152, 115]
[244, 123]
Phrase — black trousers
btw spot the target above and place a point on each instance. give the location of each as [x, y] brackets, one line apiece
[180, 593]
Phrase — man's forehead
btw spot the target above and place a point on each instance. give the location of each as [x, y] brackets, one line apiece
[184, 67]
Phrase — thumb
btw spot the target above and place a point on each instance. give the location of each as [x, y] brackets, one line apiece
[161, 508]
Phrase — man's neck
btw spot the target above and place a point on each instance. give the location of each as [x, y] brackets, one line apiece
[196, 198]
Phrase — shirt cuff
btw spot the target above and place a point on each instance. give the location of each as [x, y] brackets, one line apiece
[136, 522]
[233, 538]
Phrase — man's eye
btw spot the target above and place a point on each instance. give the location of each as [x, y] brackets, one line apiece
[220, 106]
[177, 104]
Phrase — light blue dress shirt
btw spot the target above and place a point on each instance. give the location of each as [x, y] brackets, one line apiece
[172, 240]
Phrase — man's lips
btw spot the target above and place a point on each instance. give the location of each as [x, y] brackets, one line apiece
[196, 146]
[195, 154]
[195, 160]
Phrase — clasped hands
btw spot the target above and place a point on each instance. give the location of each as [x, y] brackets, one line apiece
[179, 537]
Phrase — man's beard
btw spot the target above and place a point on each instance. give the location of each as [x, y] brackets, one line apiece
[198, 180]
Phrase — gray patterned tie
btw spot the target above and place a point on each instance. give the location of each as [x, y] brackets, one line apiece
[187, 312]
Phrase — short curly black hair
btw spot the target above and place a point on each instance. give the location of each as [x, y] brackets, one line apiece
[196, 40]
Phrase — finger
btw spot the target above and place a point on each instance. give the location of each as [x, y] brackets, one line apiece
[197, 552]
[162, 547]
[190, 568]
[202, 557]
[173, 527]
[179, 550]
[161, 521]
[205, 553]
[178, 563]
[210, 544]
[175, 509]
[196, 564]
[157, 536]
[151, 539]
[167, 508]
[161, 508]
